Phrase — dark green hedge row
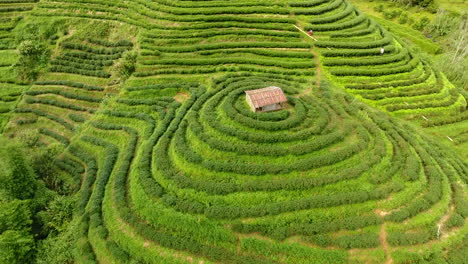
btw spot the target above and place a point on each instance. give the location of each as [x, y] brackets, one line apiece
[318, 10]
[160, 101]
[413, 63]
[102, 42]
[73, 171]
[140, 116]
[65, 94]
[263, 52]
[369, 86]
[77, 118]
[318, 201]
[403, 54]
[8, 98]
[65, 141]
[428, 104]
[416, 91]
[26, 121]
[73, 163]
[232, 24]
[15, 9]
[386, 40]
[160, 86]
[60, 104]
[459, 200]
[232, 45]
[238, 68]
[360, 18]
[212, 33]
[84, 247]
[309, 3]
[371, 28]
[407, 239]
[89, 177]
[355, 52]
[71, 84]
[48, 116]
[363, 240]
[67, 69]
[333, 18]
[88, 62]
[231, 60]
[423, 203]
[94, 50]
[18, 1]
[103, 173]
[310, 229]
[90, 56]
[446, 120]
[77, 65]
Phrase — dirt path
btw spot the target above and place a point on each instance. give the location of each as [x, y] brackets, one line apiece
[384, 243]
[443, 220]
[383, 237]
[318, 70]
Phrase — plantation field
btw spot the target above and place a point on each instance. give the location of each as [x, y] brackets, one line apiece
[166, 162]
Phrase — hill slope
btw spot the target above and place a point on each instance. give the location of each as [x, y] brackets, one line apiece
[171, 166]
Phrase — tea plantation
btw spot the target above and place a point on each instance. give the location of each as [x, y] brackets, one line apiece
[167, 163]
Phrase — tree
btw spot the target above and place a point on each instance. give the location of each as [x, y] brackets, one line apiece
[33, 52]
[43, 164]
[16, 247]
[15, 215]
[17, 177]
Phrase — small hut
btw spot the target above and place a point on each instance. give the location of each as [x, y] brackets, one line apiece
[266, 99]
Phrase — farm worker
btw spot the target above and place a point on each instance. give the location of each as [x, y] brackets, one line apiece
[382, 50]
[310, 32]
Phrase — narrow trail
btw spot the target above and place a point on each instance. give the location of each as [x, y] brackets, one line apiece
[384, 243]
[383, 237]
[318, 69]
[443, 220]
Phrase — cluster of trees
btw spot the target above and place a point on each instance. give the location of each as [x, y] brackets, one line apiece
[34, 206]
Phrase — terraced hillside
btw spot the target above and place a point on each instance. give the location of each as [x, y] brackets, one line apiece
[11, 13]
[170, 165]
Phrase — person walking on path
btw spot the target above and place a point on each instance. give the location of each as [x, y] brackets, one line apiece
[310, 32]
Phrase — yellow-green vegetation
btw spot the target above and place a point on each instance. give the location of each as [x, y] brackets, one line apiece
[136, 118]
